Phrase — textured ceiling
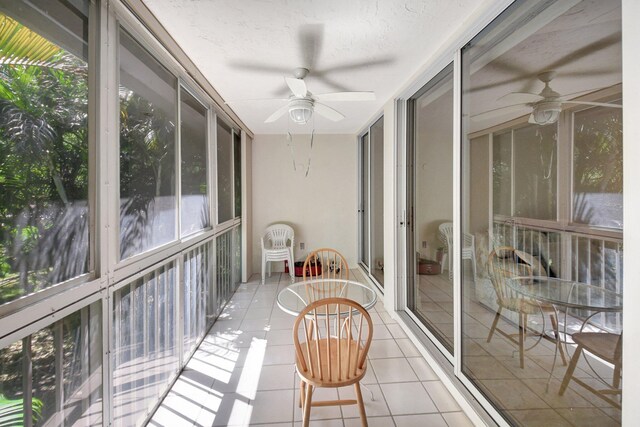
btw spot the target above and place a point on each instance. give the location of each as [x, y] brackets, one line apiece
[245, 48]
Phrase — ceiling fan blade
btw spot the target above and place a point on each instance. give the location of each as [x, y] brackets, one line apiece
[277, 114]
[346, 96]
[597, 104]
[587, 50]
[327, 112]
[520, 97]
[297, 86]
[497, 112]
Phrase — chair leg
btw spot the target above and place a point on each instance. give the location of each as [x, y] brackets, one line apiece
[269, 268]
[307, 406]
[363, 414]
[292, 269]
[522, 333]
[554, 323]
[570, 369]
[494, 325]
[264, 266]
[616, 375]
[302, 393]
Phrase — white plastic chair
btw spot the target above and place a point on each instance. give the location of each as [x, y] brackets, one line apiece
[468, 249]
[275, 247]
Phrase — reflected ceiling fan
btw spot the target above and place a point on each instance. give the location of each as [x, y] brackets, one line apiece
[301, 104]
[546, 105]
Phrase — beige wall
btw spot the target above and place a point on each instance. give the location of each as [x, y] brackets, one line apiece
[321, 208]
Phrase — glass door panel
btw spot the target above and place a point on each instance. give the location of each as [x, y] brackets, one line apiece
[430, 152]
[542, 198]
[377, 201]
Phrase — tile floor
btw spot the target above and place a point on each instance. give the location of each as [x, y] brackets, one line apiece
[243, 374]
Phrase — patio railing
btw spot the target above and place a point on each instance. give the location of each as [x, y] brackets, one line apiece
[571, 255]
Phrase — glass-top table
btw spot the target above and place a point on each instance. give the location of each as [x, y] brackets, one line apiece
[294, 298]
[567, 293]
[570, 295]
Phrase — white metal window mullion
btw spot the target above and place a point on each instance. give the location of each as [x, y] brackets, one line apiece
[213, 161]
[457, 219]
[368, 160]
[399, 163]
[107, 204]
[178, 162]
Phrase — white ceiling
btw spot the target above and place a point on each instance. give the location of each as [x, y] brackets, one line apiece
[232, 40]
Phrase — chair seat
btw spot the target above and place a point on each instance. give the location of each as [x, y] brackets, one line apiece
[599, 344]
[276, 254]
[331, 375]
[521, 305]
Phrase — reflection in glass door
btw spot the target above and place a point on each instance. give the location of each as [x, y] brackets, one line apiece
[542, 195]
[430, 199]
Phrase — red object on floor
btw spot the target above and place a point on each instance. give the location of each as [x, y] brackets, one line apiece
[286, 266]
[317, 268]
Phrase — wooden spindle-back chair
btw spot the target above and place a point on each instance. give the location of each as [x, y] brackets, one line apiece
[332, 337]
[329, 265]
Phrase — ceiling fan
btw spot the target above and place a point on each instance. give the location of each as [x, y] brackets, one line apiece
[545, 106]
[301, 104]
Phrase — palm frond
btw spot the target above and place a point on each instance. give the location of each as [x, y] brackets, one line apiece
[12, 411]
[21, 46]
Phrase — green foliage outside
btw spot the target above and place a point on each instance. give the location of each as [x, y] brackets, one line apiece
[12, 411]
[43, 154]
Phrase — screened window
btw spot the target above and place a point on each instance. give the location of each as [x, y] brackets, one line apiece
[597, 167]
[147, 150]
[44, 167]
[225, 173]
[193, 153]
[535, 172]
[55, 374]
[502, 174]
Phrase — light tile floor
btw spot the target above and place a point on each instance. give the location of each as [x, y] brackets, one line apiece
[243, 374]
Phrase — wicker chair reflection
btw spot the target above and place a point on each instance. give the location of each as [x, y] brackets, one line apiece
[504, 264]
[607, 347]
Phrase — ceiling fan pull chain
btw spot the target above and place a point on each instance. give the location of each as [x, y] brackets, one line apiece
[310, 148]
[290, 144]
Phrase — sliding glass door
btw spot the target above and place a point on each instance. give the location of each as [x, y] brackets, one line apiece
[529, 291]
[430, 207]
[542, 195]
[372, 201]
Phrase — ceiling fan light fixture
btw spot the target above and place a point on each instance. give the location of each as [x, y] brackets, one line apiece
[546, 113]
[300, 111]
